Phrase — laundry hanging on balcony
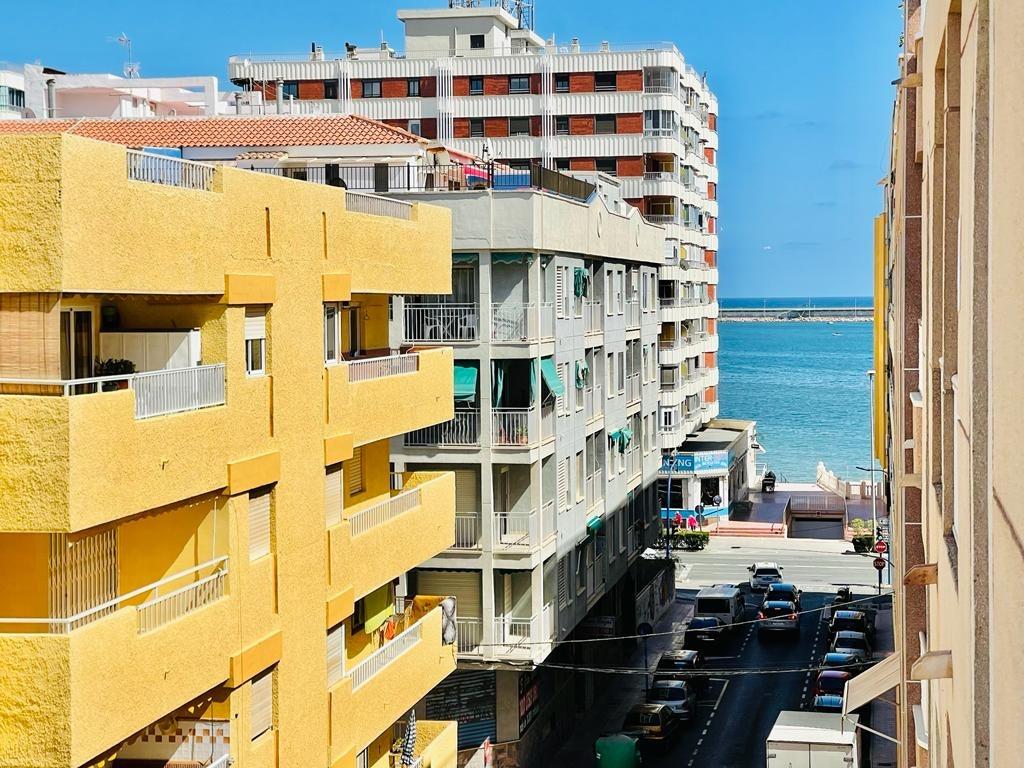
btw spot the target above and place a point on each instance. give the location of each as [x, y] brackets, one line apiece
[377, 607]
[582, 373]
[581, 281]
[621, 438]
[498, 387]
[465, 382]
[550, 374]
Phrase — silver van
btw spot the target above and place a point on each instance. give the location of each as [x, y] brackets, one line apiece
[723, 601]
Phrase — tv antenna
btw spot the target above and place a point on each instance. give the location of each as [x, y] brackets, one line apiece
[131, 68]
[521, 9]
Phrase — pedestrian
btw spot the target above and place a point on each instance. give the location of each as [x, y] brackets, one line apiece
[691, 523]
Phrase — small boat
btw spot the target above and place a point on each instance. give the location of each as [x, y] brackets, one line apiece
[836, 333]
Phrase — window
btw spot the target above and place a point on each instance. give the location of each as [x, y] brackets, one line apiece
[335, 655]
[580, 494]
[561, 125]
[332, 495]
[561, 278]
[622, 372]
[563, 483]
[476, 127]
[477, 42]
[290, 89]
[604, 124]
[604, 81]
[606, 165]
[609, 375]
[646, 365]
[579, 390]
[519, 126]
[567, 382]
[259, 524]
[261, 704]
[415, 127]
[620, 288]
[412, 87]
[519, 84]
[646, 296]
[332, 334]
[256, 341]
[562, 164]
[562, 83]
[476, 86]
[354, 470]
[371, 89]
[330, 89]
[564, 596]
[609, 280]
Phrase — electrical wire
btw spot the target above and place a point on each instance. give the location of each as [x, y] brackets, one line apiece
[706, 672]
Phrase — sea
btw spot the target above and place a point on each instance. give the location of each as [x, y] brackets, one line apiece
[805, 383]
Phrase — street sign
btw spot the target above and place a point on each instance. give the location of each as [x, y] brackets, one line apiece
[880, 563]
[881, 547]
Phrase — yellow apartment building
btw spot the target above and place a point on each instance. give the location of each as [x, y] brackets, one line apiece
[951, 371]
[202, 546]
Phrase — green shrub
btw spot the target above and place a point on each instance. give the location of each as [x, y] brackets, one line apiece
[863, 542]
[694, 540]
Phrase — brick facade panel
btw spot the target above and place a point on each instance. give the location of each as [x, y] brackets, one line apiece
[712, 224]
[712, 191]
[460, 86]
[639, 203]
[428, 126]
[428, 87]
[582, 164]
[712, 291]
[535, 127]
[629, 123]
[581, 82]
[711, 394]
[712, 327]
[712, 121]
[311, 89]
[630, 166]
[581, 125]
[711, 257]
[495, 85]
[394, 88]
[709, 155]
[629, 81]
[495, 127]
[461, 129]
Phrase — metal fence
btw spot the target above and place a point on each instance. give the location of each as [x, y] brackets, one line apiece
[442, 322]
[161, 610]
[158, 393]
[378, 206]
[373, 664]
[380, 367]
[516, 530]
[467, 530]
[511, 426]
[513, 322]
[463, 430]
[367, 519]
[469, 634]
[170, 171]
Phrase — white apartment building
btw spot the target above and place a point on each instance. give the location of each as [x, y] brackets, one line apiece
[477, 80]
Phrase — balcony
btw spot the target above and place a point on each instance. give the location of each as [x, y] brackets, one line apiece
[383, 682]
[516, 532]
[633, 388]
[463, 431]
[467, 532]
[593, 402]
[514, 427]
[470, 634]
[380, 397]
[411, 525]
[437, 745]
[522, 323]
[523, 638]
[595, 488]
[593, 313]
[632, 314]
[449, 323]
[634, 464]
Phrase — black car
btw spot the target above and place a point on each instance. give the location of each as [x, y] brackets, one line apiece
[682, 665]
[703, 632]
[851, 621]
[783, 592]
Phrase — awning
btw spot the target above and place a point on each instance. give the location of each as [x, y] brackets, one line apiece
[581, 281]
[582, 372]
[872, 683]
[465, 258]
[512, 258]
[594, 524]
[465, 382]
[377, 607]
[550, 375]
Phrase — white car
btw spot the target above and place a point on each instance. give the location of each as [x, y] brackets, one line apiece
[763, 574]
[677, 695]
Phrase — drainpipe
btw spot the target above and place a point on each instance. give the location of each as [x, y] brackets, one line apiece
[279, 94]
[51, 97]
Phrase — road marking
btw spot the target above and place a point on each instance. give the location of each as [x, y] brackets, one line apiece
[699, 742]
[719, 701]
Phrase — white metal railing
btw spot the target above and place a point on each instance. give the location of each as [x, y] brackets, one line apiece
[633, 314]
[162, 610]
[594, 313]
[516, 633]
[659, 175]
[650, 88]
[469, 633]
[64, 624]
[760, 468]
[695, 264]
[467, 530]
[660, 133]
[442, 322]
[462, 430]
[170, 171]
[381, 367]
[512, 426]
[513, 322]
[158, 393]
[373, 664]
[670, 343]
[547, 519]
[516, 530]
[661, 218]
[367, 519]
[375, 205]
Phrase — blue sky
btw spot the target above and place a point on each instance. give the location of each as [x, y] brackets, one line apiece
[803, 87]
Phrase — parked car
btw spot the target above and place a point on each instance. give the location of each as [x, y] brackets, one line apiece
[829, 689]
[722, 601]
[783, 591]
[653, 724]
[703, 632]
[763, 574]
[854, 643]
[678, 695]
[846, 661]
[778, 616]
[682, 665]
[851, 621]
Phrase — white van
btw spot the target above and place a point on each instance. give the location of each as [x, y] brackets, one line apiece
[723, 601]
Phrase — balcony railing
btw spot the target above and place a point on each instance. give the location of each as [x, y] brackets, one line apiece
[594, 314]
[516, 530]
[366, 520]
[380, 367]
[461, 431]
[665, 89]
[513, 634]
[373, 664]
[633, 314]
[169, 171]
[469, 633]
[633, 388]
[512, 426]
[467, 530]
[155, 611]
[442, 322]
[157, 393]
[373, 205]
[661, 133]
[661, 218]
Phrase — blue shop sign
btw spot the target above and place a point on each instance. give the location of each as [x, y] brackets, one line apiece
[703, 461]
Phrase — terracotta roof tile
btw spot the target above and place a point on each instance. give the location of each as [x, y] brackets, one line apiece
[230, 131]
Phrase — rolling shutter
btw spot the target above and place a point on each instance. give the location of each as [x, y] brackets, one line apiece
[335, 655]
[560, 291]
[467, 492]
[563, 582]
[261, 703]
[563, 483]
[259, 523]
[332, 495]
[464, 586]
[355, 472]
[255, 322]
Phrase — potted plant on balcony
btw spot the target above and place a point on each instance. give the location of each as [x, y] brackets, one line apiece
[114, 367]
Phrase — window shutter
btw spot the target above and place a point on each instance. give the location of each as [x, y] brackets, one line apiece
[355, 472]
[560, 291]
[563, 483]
[563, 586]
[332, 495]
[335, 655]
[259, 524]
[261, 703]
[255, 322]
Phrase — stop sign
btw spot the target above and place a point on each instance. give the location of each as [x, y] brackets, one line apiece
[881, 547]
[879, 563]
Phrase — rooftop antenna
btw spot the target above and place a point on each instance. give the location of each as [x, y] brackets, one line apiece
[131, 68]
[523, 11]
